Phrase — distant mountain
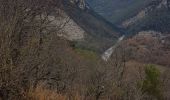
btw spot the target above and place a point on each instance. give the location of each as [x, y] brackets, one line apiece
[135, 15]
[116, 11]
[100, 33]
[105, 21]
[155, 16]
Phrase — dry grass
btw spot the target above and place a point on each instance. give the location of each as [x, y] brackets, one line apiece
[41, 93]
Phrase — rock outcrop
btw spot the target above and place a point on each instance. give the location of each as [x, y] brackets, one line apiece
[80, 3]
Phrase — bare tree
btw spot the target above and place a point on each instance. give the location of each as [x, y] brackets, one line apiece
[24, 26]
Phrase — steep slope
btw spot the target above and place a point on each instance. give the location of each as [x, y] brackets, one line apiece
[116, 11]
[101, 34]
[68, 28]
[155, 16]
[135, 15]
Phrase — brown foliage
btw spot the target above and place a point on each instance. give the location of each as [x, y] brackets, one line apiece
[21, 34]
[148, 49]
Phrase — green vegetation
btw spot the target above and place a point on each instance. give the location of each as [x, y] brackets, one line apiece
[87, 54]
[151, 85]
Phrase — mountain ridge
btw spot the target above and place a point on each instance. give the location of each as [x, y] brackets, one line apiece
[155, 16]
[139, 16]
[101, 34]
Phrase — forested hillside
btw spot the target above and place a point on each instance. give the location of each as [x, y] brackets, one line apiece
[50, 50]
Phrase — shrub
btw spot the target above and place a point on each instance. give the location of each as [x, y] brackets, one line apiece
[151, 85]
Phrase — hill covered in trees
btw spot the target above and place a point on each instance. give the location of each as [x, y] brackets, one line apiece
[38, 60]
